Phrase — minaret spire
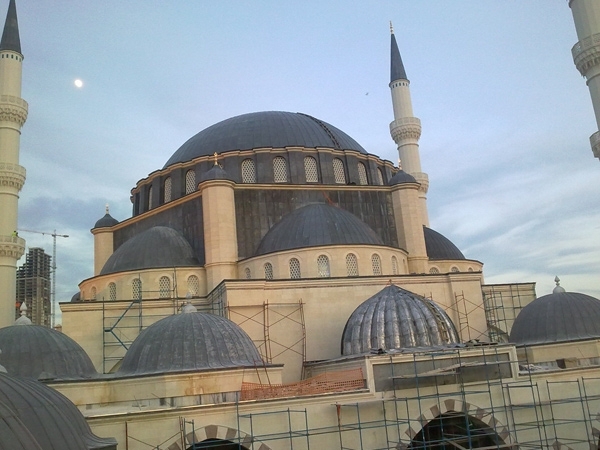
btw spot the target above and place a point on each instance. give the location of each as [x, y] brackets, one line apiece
[406, 129]
[13, 113]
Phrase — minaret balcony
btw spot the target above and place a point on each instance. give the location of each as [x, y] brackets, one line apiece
[12, 176]
[12, 246]
[13, 109]
[405, 128]
[595, 141]
[586, 53]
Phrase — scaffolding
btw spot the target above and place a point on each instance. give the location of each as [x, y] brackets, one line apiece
[502, 303]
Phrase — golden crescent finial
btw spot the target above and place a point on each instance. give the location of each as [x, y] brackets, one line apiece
[216, 159]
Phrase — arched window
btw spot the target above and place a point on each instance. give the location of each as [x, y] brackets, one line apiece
[394, 265]
[164, 287]
[339, 173]
[323, 266]
[248, 171]
[150, 205]
[362, 174]
[295, 268]
[470, 269]
[310, 169]
[190, 181]
[279, 170]
[376, 264]
[247, 273]
[454, 269]
[94, 293]
[193, 285]
[167, 189]
[268, 271]
[136, 289]
[434, 270]
[379, 177]
[112, 291]
[351, 265]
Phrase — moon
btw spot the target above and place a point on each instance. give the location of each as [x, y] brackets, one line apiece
[78, 83]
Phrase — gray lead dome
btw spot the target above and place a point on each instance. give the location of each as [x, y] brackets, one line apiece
[395, 318]
[190, 341]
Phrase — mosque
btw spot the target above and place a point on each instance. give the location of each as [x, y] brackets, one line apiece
[279, 286]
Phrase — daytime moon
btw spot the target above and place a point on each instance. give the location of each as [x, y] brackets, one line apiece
[78, 83]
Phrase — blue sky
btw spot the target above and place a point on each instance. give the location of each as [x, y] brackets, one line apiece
[506, 116]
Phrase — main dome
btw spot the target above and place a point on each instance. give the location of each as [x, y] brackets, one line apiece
[264, 129]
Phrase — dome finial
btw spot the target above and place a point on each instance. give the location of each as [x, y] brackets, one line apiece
[558, 289]
[216, 156]
[391, 27]
[399, 164]
[188, 308]
[106, 208]
[23, 320]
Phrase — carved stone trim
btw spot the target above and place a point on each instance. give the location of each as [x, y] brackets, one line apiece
[11, 112]
[595, 141]
[586, 53]
[12, 246]
[406, 128]
[12, 175]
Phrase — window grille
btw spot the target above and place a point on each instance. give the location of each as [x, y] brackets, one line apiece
[279, 170]
[248, 171]
[310, 169]
[164, 287]
[190, 181]
[268, 271]
[454, 269]
[167, 189]
[351, 265]
[150, 205]
[193, 285]
[93, 292]
[362, 174]
[295, 268]
[248, 273]
[136, 289]
[323, 266]
[376, 264]
[434, 270]
[470, 269]
[394, 265]
[379, 177]
[338, 171]
[112, 291]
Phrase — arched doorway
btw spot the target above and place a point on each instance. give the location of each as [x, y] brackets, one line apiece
[451, 428]
[216, 444]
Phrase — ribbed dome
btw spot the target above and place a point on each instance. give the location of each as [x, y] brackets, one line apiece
[557, 317]
[52, 420]
[316, 225]
[14, 435]
[440, 247]
[216, 172]
[394, 319]
[34, 351]
[154, 248]
[275, 129]
[190, 341]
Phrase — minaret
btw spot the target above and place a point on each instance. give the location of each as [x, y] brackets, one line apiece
[13, 113]
[586, 54]
[406, 129]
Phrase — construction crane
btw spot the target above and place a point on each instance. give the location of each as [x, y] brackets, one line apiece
[53, 267]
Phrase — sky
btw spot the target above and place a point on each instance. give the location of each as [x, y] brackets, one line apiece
[506, 117]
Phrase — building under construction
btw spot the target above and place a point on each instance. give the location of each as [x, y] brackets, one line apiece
[34, 287]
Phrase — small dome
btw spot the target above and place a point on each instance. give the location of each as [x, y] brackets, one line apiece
[215, 173]
[190, 341]
[275, 129]
[316, 225]
[401, 177]
[76, 297]
[38, 352]
[440, 247]
[51, 419]
[106, 221]
[395, 318]
[557, 317]
[154, 248]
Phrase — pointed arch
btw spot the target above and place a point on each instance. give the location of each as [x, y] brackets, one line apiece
[219, 433]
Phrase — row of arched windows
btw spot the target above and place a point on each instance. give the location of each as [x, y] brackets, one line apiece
[164, 288]
[324, 268]
[454, 269]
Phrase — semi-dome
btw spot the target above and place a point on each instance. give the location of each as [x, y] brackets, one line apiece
[315, 225]
[38, 352]
[557, 317]
[439, 246]
[264, 129]
[395, 318]
[51, 419]
[154, 248]
[190, 341]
